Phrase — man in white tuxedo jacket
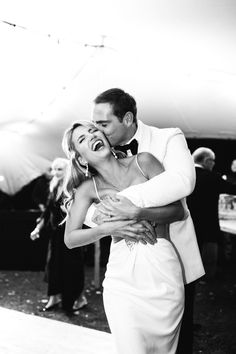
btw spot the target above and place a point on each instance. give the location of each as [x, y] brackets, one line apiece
[115, 114]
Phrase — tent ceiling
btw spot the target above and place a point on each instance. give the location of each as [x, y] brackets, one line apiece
[176, 57]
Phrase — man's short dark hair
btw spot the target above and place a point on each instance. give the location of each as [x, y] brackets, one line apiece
[120, 101]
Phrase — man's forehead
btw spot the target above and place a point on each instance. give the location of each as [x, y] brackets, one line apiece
[103, 108]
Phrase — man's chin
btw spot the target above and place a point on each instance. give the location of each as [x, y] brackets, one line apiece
[112, 142]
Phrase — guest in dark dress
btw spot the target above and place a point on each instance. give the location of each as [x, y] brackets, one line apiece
[41, 189]
[64, 268]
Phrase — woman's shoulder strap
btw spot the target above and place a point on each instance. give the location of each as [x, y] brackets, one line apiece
[137, 157]
[96, 189]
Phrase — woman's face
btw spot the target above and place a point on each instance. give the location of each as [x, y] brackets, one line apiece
[58, 170]
[90, 143]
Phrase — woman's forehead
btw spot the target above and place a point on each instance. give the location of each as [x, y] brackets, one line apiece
[59, 165]
[80, 130]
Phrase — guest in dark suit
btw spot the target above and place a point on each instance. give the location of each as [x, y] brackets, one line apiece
[203, 205]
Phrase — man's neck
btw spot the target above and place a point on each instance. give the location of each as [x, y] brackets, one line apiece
[130, 134]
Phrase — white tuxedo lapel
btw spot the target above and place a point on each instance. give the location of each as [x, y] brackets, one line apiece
[153, 140]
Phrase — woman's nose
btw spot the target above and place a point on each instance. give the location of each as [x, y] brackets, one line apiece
[92, 136]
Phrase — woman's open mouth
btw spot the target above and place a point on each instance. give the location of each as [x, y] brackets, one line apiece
[97, 145]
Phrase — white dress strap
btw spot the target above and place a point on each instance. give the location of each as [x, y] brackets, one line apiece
[139, 167]
[96, 189]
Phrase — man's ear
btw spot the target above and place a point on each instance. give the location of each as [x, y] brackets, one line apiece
[128, 119]
[205, 161]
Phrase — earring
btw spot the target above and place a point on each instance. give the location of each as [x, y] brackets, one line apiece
[87, 170]
[114, 154]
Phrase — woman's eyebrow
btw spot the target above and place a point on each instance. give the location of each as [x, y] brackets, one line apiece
[91, 129]
[81, 136]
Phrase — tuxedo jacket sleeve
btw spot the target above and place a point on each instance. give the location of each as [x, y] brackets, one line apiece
[170, 148]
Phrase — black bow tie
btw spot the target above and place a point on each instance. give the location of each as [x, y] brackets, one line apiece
[128, 149]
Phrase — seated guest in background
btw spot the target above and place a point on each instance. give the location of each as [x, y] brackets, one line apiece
[203, 206]
[64, 268]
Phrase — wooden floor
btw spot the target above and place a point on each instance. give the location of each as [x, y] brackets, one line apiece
[28, 334]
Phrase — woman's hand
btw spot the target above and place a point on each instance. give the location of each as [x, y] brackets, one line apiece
[131, 231]
[35, 234]
[117, 208]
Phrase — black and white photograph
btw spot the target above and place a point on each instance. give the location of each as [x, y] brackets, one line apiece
[118, 177]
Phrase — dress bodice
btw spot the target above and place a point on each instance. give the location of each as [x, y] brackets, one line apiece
[161, 230]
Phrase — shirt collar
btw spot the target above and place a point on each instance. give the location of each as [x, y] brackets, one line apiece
[197, 165]
[137, 134]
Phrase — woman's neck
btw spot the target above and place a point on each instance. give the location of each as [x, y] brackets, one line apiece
[112, 171]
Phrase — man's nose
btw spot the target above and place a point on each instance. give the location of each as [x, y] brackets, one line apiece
[101, 129]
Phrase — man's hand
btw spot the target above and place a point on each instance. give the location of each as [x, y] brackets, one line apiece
[120, 214]
[131, 230]
[137, 232]
[118, 208]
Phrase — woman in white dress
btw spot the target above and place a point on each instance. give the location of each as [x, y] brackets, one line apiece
[143, 286]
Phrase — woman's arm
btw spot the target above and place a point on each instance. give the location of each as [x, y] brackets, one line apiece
[35, 234]
[75, 236]
[42, 220]
[122, 208]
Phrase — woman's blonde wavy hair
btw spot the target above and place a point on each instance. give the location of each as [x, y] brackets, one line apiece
[75, 172]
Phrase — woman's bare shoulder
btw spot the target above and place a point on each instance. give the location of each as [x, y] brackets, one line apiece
[149, 163]
[85, 189]
[147, 157]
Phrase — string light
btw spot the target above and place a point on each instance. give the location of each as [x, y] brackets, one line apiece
[57, 39]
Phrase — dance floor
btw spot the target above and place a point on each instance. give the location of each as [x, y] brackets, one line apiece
[28, 334]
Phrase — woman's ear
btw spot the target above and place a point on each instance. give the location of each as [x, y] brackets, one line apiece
[128, 119]
[82, 161]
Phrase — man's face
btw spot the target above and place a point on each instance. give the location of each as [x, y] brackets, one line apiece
[105, 120]
[209, 162]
